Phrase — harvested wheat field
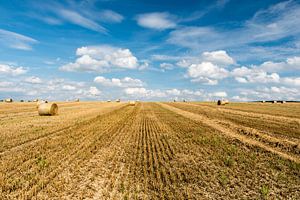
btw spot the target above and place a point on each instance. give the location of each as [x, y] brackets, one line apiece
[94, 150]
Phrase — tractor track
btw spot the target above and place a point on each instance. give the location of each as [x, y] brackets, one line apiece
[230, 132]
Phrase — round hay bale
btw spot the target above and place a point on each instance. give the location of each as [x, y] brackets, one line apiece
[118, 100]
[48, 109]
[274, 101]
[132, 103]
[108, 100]
[38, 103]
[9, 100]
[221, 102]
[76, 100]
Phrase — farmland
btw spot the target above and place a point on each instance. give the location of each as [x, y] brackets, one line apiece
[194, 150]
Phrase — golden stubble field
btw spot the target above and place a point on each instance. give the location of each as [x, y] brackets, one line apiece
[95, 150]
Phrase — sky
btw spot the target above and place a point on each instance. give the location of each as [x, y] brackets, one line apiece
[150, 50]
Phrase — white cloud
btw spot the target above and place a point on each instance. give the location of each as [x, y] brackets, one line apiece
[144, 93]
[110, 16]
[277, 22]
[206, 72]
[166, 66]
[270, 93]
[6, 84]
[93, 91]
[76, 18]
[11, 70]
[290, 64]
[174, 92]
[16, 40]
[218, 57]
[239, 98]
[156, 20]
[102, 59]
[161, 57]
[254, 75]
[115, 82]
[218, 94]
[33, 79]
[293, 81]
[170, 94]
[184, 63]
[195, 37]
[68, 87]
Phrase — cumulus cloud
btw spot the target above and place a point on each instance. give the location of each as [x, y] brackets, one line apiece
[115, 82]
[16, 40]
[102, 59]
[144, 93]
[156, 20]
[293, 81]
[218, 57]
[254, 75]
[11, 70]
[170, 94]
[33, 79]
[218, 94]
[290, 64]
[93, 91]
[270, 93]
[207, 68]
[206, 73]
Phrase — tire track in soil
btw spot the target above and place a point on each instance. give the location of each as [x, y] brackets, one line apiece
[250, 114]
[54, 133]
[83, 147]
[274, 118]
[229, 132]
[283, 144]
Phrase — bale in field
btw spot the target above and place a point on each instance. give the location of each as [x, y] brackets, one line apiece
[9, 100]
[108, 100]
[1, 100]
[132, 103]
[274, 101]
[221, 102]
[118, 100]
[226, 101]
[21, 100]
[76, 100]
[263, 101]
[48, 109]
[35, 100]
[38, 103]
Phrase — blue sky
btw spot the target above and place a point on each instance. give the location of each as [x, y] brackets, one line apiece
[150, 50]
